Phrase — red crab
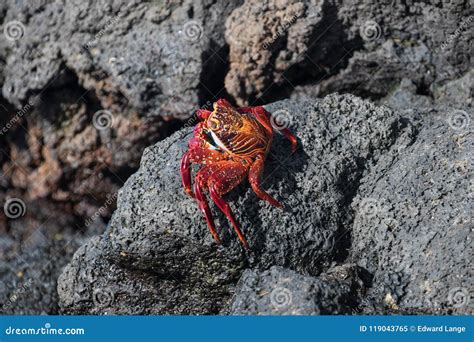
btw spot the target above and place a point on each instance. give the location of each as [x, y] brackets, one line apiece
[230, 143]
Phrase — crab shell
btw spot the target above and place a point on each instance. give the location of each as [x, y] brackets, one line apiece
[240, 135]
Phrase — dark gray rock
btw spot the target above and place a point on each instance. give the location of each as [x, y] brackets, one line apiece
[413, 223]
[405, 98]
[155, 54]
[427, 42]
[280, 291]
[293, 41]
[158, 230]
[361, 47]
[453, 94]
[33, 254]
[458, 92]
[92, 284]
[28, 283]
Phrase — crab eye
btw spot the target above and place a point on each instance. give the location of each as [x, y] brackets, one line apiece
[213, 124]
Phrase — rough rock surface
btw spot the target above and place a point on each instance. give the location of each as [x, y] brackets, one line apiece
[153, 53]
[362, 47]
[338, 137]
[280, 291]
[413, 227]
[92, 284]
[459, 92]
[33, 253]
[427, 42]
[279, 43]
[158, 230]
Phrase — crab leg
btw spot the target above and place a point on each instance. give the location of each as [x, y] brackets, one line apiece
[288, 135]
[185, 169]
[225, 208]
[200, 182]
[223, 181]
[255, 173]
